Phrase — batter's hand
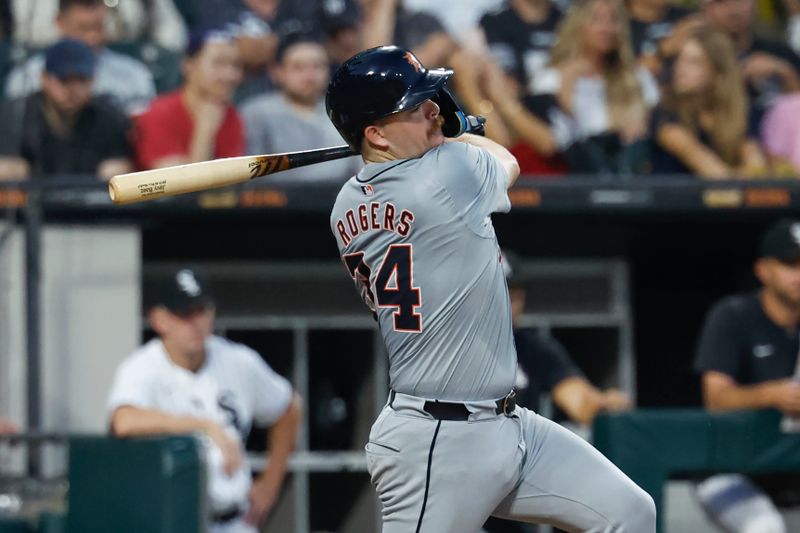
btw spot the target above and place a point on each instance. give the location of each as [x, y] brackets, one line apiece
[230, 447]
[263, 494]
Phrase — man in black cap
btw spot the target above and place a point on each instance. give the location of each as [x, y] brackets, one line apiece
[748, 358]
[64, 129]
[187, 380]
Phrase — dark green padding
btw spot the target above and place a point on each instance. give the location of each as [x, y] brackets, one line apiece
[14, 525]
[142, 485]
[653, 445]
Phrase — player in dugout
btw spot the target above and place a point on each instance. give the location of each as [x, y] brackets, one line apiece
[187, 380]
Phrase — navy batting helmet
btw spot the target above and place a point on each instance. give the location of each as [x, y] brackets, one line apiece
[382, 81]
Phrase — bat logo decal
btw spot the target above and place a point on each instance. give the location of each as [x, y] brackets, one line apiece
[267, 165]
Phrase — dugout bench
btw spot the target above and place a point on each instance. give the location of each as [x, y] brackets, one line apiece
[653, 445]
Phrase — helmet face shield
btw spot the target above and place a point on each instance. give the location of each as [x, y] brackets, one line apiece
[377, 83]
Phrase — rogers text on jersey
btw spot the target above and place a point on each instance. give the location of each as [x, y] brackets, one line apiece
[374, 216]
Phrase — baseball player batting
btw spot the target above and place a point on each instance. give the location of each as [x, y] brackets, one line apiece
[414, 230]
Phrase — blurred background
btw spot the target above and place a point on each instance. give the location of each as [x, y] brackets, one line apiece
[657, 141]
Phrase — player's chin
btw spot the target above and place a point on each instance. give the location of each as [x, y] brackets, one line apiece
[436, 137]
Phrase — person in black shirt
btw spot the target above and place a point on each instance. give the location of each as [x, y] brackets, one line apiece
[658, 28]
[63, 129]
[520, 36]
[747, 356]
[546, 366]
[701, 125]
[770, 68]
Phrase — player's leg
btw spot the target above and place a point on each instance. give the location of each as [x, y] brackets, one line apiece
[566, 482]
[739, 506]
[437, 476]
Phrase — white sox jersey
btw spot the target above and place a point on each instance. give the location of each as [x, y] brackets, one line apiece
[234, 388]
[416, 236]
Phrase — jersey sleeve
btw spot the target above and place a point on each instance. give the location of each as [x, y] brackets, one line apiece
[718, 346]
[272, 392]
[133, 385]
[476, 182]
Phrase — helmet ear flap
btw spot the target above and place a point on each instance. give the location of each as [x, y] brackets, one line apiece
[455, 121]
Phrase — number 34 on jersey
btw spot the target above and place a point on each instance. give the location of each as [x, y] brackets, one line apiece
[394, 285]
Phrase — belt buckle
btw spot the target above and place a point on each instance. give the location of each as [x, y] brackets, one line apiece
[509, 403]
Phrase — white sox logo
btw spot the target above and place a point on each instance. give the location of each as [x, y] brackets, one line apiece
[187, 282]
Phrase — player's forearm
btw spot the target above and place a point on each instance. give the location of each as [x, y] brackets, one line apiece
[282, 438]
[129, 421]
[578, 398]
[506, 158]
[735, 397]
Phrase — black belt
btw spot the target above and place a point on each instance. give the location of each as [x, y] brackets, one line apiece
[223, 517]
[459, 411]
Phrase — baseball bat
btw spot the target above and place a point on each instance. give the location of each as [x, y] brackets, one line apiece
[169, 181]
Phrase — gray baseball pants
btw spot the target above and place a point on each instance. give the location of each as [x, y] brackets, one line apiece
[449, 476]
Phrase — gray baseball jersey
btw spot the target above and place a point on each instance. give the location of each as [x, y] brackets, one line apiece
[416, 236]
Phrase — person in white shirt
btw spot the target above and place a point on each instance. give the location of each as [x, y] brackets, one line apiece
[187, 380]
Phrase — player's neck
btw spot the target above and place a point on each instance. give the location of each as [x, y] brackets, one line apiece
[780, 312]
[190, 361]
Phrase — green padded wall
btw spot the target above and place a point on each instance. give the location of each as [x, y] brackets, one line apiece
[141, 485]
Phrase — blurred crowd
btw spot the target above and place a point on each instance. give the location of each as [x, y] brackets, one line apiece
[623, 88]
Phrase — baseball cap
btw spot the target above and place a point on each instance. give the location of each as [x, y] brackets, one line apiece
[69, 57]
[184, 291]
[782, 241]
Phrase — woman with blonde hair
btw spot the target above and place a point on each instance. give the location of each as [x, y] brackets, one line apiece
[701, 127]
[602, 96]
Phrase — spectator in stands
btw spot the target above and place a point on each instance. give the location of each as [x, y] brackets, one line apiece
[658, 29]
[545, 366]
[461, 18]
[523, 119]
[747, 358]
[603, 97]
[259, 25]
[187, 380]
[770, 68]
[389, 22]
[197, 122]
[342, 39]
[123, 79]
[7, 426]
[780, 134]
[701, 126]
[294, 118]
[521, 35]
[63, 129]
[157, 21]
